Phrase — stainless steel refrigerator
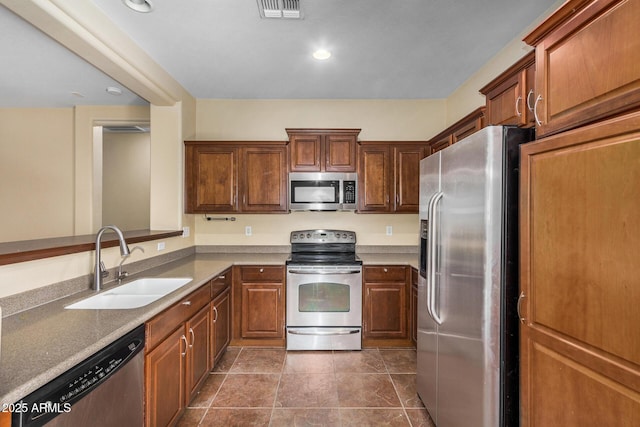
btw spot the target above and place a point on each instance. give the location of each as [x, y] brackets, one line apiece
[467, 371]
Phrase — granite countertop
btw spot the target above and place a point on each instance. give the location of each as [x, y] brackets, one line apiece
[41, 343]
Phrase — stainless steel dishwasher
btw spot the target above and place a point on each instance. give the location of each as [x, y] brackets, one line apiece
[106, 390]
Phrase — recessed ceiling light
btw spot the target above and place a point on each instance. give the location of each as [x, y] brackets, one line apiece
[77, 94]
[116, 91]
[142, 6]
[321, 54]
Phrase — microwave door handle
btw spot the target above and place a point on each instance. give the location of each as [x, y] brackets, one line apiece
[432, 273]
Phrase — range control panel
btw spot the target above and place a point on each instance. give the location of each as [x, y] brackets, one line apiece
[323, 236]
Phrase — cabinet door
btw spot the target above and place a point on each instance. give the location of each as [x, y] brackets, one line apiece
[210, 178]
[165, 380]
[304, 152]
[587, 64]
[198, 365]
[374, 178]
[440, 144]
[262, 310]
[385, 308]
[385, 311]
[340, 153]
[580, 287]
[407, 177]
[221, 321]
[505, 104]
[467, 129]
[264, 179]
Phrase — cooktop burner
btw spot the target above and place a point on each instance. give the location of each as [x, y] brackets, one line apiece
[336, 247]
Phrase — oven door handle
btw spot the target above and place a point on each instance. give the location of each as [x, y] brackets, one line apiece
[324, 272]
[317, 332]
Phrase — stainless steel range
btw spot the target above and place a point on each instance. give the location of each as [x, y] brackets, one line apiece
[324, 291]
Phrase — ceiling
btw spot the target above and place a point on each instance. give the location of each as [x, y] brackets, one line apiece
[393, 49]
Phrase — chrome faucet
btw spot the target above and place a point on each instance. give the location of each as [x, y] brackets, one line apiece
[99, 271]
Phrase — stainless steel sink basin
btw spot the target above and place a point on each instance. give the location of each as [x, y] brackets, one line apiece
[133, 294]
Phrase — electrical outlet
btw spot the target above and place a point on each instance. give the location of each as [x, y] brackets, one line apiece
[389, 230]
[161, 246]
[185, 231]
[247, 230]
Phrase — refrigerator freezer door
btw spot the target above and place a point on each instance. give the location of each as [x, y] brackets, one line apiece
[427, 350]
[468, 290]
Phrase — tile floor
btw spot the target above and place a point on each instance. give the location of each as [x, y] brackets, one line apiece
[273, 387]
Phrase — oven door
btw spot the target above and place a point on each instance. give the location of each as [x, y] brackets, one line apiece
[324, 307]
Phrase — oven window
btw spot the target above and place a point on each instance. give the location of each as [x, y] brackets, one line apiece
[323, 297]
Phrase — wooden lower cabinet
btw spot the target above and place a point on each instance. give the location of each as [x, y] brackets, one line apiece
[220, 325]
[413, 311]
[165, 381]
[580, 281]
[197, 354]
[176, 357]
[386, 306]
[258, 306]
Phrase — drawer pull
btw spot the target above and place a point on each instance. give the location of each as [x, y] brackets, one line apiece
[262, 270]
[186, 303]
[221, 277]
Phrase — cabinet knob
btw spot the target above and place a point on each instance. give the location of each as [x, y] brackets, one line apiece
[262, 270]
[385, 270]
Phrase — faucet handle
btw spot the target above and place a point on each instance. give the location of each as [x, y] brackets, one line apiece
[103, 271]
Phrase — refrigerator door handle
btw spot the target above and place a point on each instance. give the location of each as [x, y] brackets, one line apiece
[428, 257]
[431, 290]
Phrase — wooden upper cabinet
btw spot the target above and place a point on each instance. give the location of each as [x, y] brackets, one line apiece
[244, 176]
[509, 97]
[406, 159]
[264, 179]
[211, 178]
[374, 178]
[587, 63]
[389, 176]
[322, 150]
[464, 127]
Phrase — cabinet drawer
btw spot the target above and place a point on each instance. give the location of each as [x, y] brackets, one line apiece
[262, 274]
[385, 274]
[220, 283]
[166, 322]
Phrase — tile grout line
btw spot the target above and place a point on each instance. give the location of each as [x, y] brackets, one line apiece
[226, 375]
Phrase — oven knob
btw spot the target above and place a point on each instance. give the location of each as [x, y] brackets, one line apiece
[308, 235]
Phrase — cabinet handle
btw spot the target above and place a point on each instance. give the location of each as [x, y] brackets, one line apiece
[262, 270]
[221, 277]
[529, 106]
[193, 337]
[186, 303]
[184, 353]
[518, 113]
[520, 298]
[385, 270]
[215, 314]
[535, 110]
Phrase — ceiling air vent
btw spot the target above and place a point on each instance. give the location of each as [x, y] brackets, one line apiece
[278, 9]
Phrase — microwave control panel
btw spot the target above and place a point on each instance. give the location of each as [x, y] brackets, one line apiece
[349, 192]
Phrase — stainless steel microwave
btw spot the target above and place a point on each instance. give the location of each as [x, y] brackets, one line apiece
[323, 191]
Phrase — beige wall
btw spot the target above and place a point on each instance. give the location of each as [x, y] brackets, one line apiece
[125, 180]
[36, 173]
[467, 97]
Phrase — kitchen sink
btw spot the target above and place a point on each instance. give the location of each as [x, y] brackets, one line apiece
[134, 294]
